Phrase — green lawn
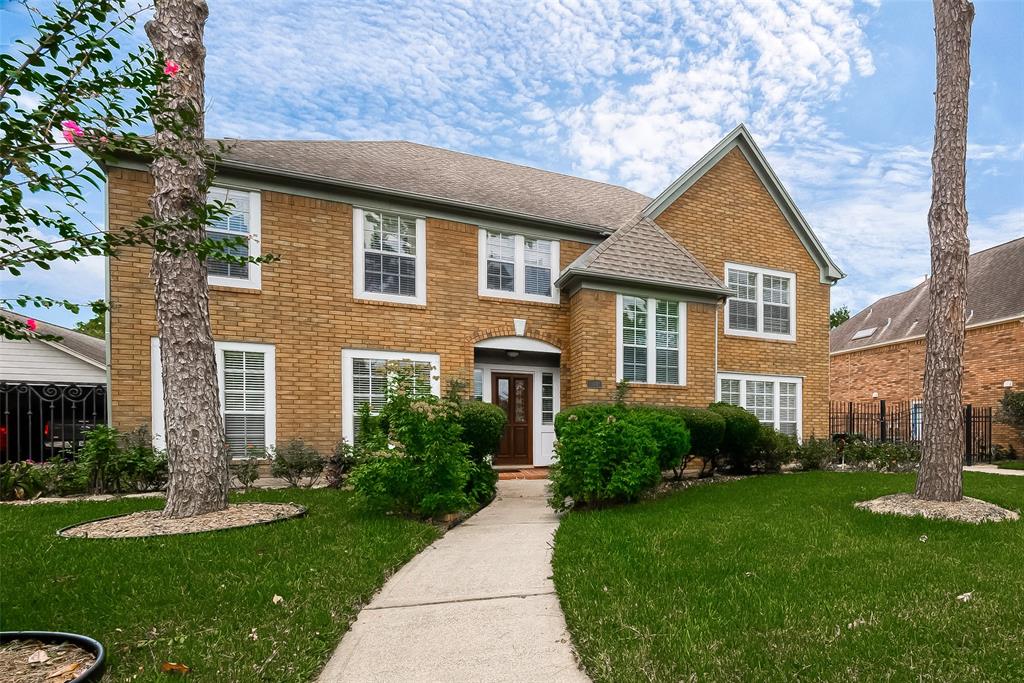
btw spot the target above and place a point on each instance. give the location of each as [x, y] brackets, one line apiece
[1010, 464]
[203, 600]
[780, 578]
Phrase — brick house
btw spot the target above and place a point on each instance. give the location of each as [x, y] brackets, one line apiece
[537, 289]
[879, 353]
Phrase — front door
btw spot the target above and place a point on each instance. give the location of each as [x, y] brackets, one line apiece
[513, 393]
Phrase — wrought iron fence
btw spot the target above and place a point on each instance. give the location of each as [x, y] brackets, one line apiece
[42, 422]
[903, 422]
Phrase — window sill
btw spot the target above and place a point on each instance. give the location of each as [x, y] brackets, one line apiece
[491, 296]
[644, 385]
[760, 336]
[395, 304]
[235, 290]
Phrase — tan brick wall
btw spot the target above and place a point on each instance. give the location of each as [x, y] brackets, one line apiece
[992, 355]
[728, 215]
[307, 310]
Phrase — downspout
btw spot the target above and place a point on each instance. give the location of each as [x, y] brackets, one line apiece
[716, 351]
[106, 296]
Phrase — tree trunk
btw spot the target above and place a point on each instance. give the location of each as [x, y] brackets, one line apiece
[942, 452]
[196, 452]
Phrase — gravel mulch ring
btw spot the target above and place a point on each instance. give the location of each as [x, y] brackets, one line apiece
[33, 661]
[670, 485]
[969, 510]
[153, 523]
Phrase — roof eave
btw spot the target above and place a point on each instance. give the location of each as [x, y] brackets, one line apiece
[572, 275]
[740, 136]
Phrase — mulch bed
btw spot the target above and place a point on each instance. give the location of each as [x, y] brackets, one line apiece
[153, 523]
[21, 662]
[671, 484]
[969, 510]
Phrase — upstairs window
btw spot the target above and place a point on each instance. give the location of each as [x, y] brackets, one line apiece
[515, 266]
[242, 220]
[390, 257]
[651, 347]
[762, 304]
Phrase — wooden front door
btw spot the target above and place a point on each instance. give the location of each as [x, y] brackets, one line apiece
[513, 393]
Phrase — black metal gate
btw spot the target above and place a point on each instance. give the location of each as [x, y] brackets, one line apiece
[42, 422]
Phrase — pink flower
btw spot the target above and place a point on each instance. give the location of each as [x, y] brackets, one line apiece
[70, 130]
[171, 68]
[31, 324]
[103, 139]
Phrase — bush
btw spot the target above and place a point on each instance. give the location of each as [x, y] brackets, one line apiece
[602, 457]
[247, 470]
[881, 457]
[483, 483]
[413, 460]
[741, 431]
[63, 478]
[707, 428]
[1011, 410]
[669, 431]
[121, 463]
[816, 454]
[482, 427]
[773, 449]
[338, 466]
[20, 481]
[295, 461]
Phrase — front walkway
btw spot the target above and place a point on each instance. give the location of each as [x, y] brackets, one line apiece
[992, 469]
[478, 605]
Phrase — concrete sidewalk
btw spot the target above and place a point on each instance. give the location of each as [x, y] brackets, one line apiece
[992, 469]
[478, 605]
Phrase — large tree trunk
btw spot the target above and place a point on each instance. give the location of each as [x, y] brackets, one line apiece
[196, 452]
[942, 452]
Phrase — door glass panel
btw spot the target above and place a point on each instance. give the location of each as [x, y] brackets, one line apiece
[503, 393]
[520, 401]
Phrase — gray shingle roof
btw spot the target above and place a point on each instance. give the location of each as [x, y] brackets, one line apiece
[90, 347]
[643, 252]
[995, 290]
[433, 172]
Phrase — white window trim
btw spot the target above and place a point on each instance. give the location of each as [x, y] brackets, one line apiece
[760, 333]
[744, 377]
[519, 271]
[269, 386]
[359, 265]
[652, 355]
[347, 356]
[255, 279]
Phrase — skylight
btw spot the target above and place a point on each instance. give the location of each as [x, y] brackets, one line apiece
[862, 334]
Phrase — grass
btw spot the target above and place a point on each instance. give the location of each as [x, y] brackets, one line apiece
[204, 600]
[1010, 464]
[779, 578]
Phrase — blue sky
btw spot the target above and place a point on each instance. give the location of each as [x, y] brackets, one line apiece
[838, 94]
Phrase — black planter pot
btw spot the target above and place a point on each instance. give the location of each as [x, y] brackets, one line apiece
[93, 673]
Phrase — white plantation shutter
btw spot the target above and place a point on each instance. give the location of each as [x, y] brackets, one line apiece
[245, 401]
[370, 383]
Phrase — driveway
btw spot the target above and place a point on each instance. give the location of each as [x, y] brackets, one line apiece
[478, 605]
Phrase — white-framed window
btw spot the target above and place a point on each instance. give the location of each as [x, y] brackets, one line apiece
[478, 384]
[242, 220]
[390, 256]
[651, 340]
[247, 384]
[776, 401]
[364, 379]
[547, 398]
[762, 304]
[515, 266]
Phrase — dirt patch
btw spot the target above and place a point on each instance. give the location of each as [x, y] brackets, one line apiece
[33, 661]
[153, 523]
[969, 510]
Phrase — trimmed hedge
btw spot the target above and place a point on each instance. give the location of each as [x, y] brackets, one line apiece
[482, 427]
[741, 432]
[669, 430]
[707, 428]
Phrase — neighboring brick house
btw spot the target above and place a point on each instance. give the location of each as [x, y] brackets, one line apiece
[879, 353]
[537, 289]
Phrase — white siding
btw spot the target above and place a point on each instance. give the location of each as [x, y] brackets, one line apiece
[34, 361]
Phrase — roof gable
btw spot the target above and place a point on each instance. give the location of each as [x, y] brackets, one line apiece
[741, 139]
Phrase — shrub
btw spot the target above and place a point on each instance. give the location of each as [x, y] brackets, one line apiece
[741, 431]
[816, 454]
[773, 449]
[482, 428]
[144, 468]
[1011, 409]
[414, 461]
[338, 466]
[63, 478]
[483, 483]
[602, 457]
[669, 431]
[101, 458]
[295, 461]
[20, 481]
[247, 470]
[706, 431]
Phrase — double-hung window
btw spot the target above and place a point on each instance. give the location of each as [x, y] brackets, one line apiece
[242, 220]
[390, 257]
[365, 378]
[517, 266]
[651, 340]
[776, 401]
[762, 304]
[247, 385]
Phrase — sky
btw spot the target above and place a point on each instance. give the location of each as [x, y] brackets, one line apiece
[838, 94]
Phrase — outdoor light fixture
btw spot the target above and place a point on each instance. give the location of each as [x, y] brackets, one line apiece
[874, 394]
[512, 354]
